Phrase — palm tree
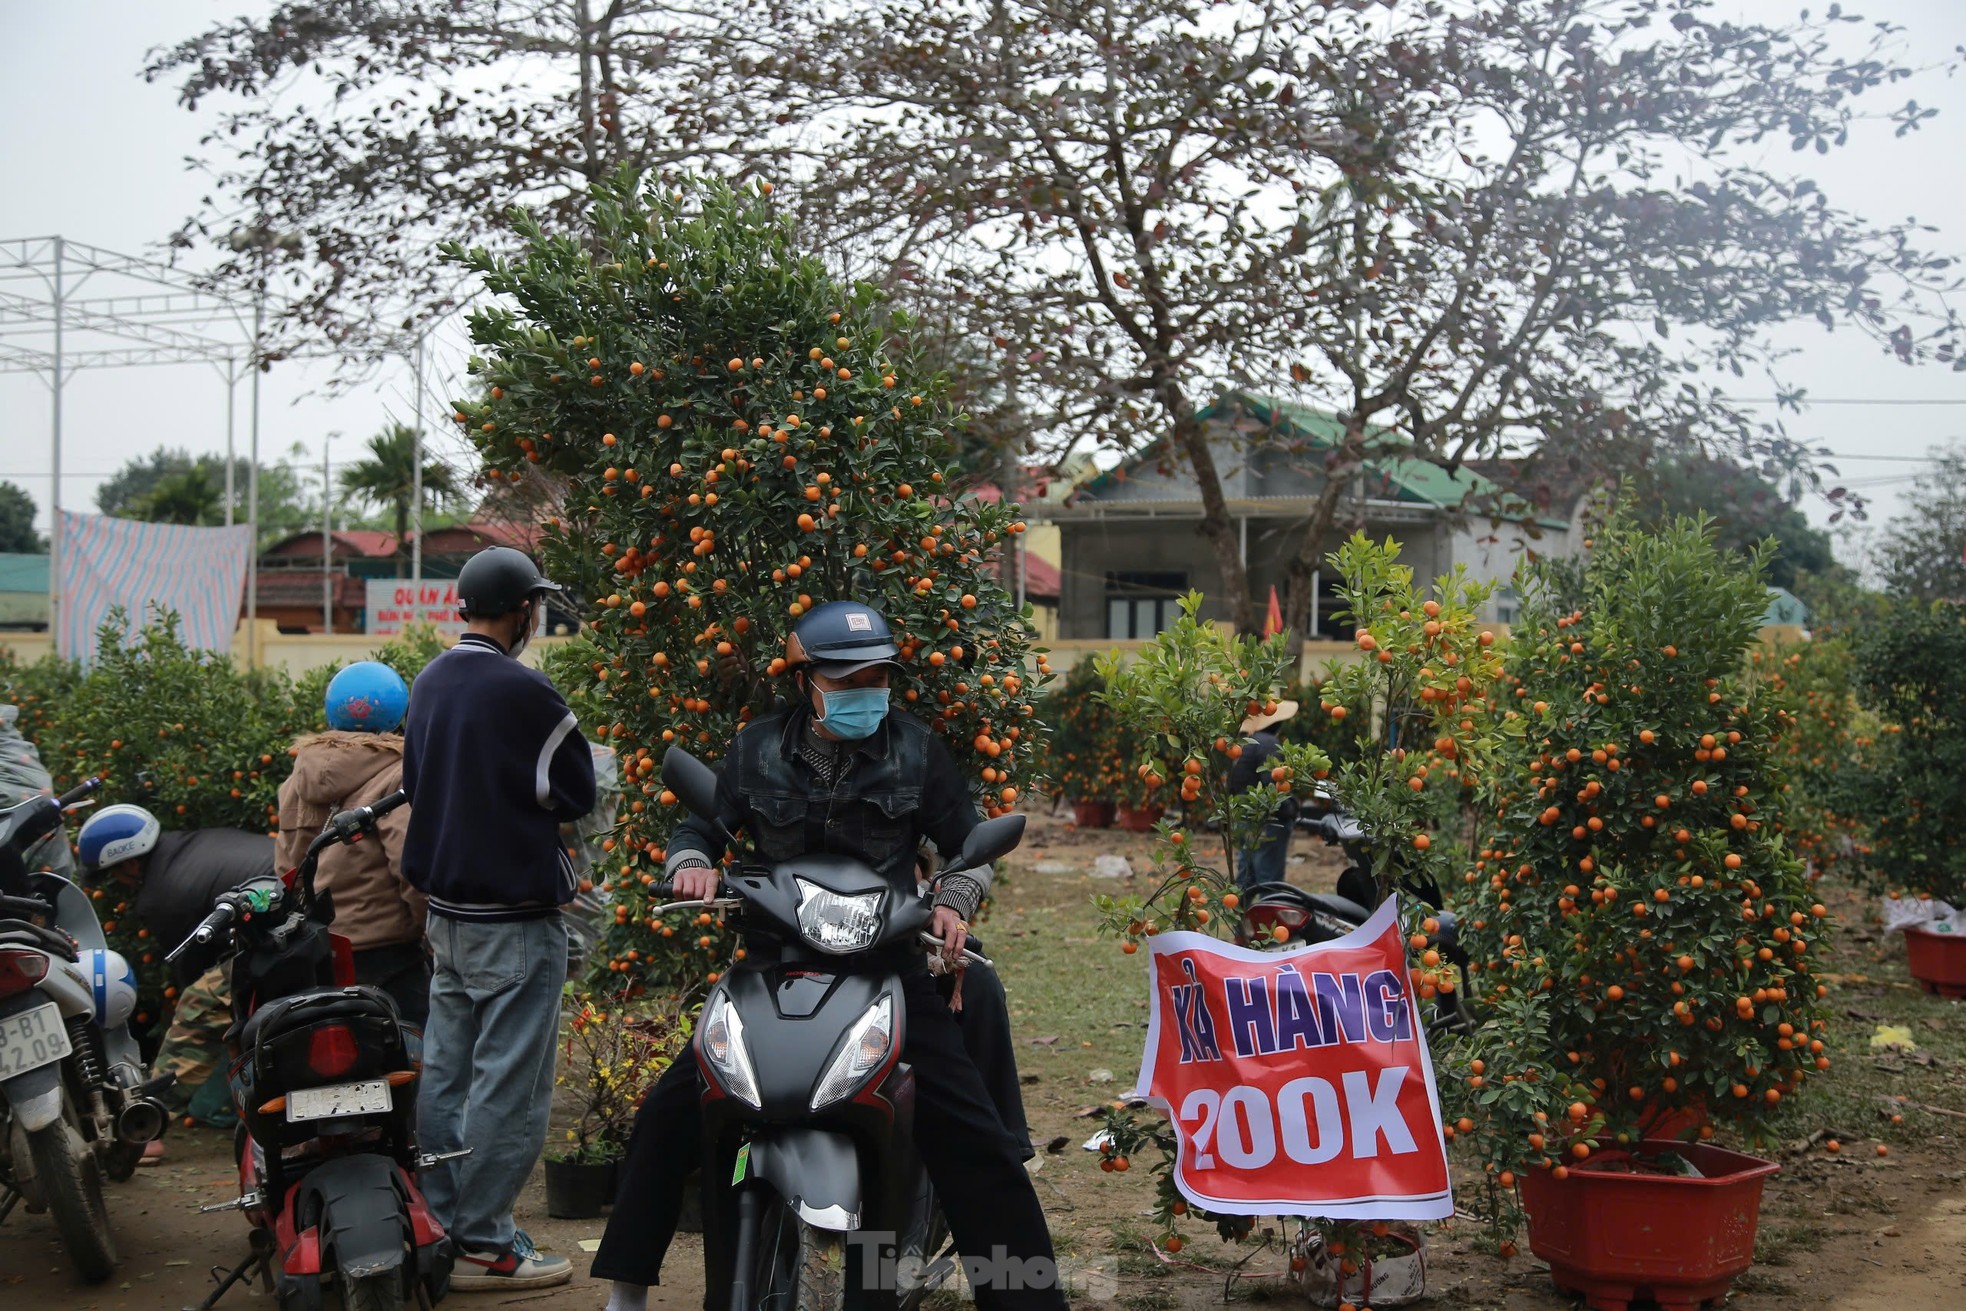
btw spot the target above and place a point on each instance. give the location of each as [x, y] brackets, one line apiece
[387, 479]
[189, 497]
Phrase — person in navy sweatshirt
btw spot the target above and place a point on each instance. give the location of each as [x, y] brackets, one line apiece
[493, 763]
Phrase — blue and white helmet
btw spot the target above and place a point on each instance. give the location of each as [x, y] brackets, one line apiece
[116, 833]
[112, 985]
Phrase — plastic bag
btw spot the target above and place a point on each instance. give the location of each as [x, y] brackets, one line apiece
[1928, 913]
[1395, 1279]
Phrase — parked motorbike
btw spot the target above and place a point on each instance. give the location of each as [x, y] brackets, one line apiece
[824, 1128]
[73, 1105]
[324, 1077]
[1311, 917]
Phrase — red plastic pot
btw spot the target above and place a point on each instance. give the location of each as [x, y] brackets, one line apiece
[1141, 820]
[1622, 1238]
[1092, 814]
[1937, 961]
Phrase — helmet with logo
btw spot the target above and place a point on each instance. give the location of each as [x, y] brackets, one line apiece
[112, 985]
[498, 580]
[367, 697]
[115, 834]
[840, 638]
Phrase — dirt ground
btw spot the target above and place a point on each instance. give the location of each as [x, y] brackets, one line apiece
[1854, 1231]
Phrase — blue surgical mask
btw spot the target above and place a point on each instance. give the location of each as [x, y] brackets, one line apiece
[854, 713]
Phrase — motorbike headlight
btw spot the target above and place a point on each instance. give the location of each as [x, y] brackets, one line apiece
[863, 1052]
[837, 923]
[723, 1044]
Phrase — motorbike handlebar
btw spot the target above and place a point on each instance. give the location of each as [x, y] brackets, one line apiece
[81, 791]
[208, 928]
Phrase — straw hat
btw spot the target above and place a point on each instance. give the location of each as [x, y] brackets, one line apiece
[1285, 709]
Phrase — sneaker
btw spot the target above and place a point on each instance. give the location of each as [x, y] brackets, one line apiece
[519, 1266]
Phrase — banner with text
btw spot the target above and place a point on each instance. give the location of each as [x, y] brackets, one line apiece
[1298, 1082]
[396, 603]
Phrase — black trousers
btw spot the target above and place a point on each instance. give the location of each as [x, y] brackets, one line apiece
[985, 1024]
[402, 970]
[973, 1160]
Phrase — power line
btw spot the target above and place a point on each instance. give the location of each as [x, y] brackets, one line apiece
[1842, 400]
[1893, 459]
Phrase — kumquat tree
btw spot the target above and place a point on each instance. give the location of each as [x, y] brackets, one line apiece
[1418, 714]
[731, 438]
[1641, 930]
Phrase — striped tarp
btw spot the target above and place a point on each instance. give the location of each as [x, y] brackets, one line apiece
[145, 568]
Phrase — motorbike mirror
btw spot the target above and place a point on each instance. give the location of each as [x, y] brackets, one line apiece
[991, 840]
[695, 785]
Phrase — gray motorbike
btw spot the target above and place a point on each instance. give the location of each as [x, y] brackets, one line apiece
[74, 1109]
[799, 1046]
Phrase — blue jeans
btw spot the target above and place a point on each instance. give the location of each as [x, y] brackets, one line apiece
[1266, 863]
[488, 1068]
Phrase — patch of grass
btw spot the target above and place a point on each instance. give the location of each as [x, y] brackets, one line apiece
[1774, 1243]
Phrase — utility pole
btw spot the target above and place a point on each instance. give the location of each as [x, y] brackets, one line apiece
[264, 241]
[327, 538]
[231, 460]
[54, 498]
[416, 477]
[252, 470]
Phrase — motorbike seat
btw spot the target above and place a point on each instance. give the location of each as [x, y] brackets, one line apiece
[21, 933]
[356, 1002]
[1343, 908]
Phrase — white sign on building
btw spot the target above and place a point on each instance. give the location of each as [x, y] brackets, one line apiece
[397, 603]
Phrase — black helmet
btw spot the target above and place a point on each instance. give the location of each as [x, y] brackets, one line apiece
[498, 580]
[840, 638]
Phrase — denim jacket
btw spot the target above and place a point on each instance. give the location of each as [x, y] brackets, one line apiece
[895, 788]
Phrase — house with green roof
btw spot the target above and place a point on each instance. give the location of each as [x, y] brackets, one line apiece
[1130, 545]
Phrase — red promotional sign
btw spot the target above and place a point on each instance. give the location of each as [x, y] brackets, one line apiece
[1298, 1082]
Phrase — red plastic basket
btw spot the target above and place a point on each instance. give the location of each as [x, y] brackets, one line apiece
[1621, 1238]
[1937, 961]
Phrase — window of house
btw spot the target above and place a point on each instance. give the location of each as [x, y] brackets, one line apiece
[1141, 605]
[1507, 605]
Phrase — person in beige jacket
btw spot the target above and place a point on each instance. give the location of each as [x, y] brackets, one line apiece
[359, 760]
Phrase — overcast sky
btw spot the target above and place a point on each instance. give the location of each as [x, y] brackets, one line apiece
[93, 153]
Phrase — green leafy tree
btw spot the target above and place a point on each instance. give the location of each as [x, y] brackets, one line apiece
[1745, 508]
[1641, 927]
[1922, 553]
[173, 486]
[386, 477]
[189, 497]
[1908, 783]
[17, 521]
[732, 442]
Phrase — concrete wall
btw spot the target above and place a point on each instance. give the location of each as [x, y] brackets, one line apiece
[1094, 548]
[1492, 552]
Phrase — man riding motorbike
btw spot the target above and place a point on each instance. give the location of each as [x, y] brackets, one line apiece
[841, 773]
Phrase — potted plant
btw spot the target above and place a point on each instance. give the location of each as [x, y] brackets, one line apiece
[1640, 930]
[1910, 782]
[1081, 746]
[610, 1057]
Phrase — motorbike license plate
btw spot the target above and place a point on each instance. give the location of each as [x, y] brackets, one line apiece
[31, 1040]
[365, 1098]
